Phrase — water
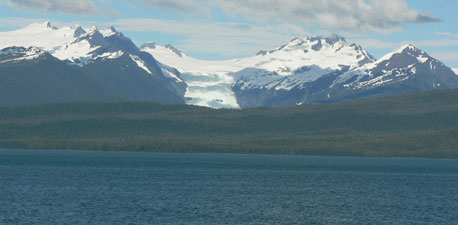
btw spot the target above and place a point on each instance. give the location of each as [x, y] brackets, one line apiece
[83, 187]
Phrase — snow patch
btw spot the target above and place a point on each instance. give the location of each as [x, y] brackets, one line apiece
[172, 75]
[408, 47]
[378, 81]
[111, 55]
[140, 63]
[108, 32]
[422, 58]
[76, 52]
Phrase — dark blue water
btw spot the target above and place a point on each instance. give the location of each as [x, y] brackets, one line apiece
[82, 187]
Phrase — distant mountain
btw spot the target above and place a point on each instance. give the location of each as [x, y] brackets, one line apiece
[408, 69]
[106, 58]
[221, 83]
[305, 71]
[104, 65]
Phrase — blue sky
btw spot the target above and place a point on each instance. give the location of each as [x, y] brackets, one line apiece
[223, 29]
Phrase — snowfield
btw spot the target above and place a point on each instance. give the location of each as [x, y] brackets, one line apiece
[300, 61]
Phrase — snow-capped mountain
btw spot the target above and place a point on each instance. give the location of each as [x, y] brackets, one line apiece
[303, 71]
[405, 65]
[106, 55]
[16, 54]
[75, 44]
[211, 83]
[41, 35]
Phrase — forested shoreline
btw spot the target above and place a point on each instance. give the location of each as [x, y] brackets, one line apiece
[412, 125]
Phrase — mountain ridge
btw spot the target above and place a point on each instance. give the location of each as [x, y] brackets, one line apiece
[319, 69]
[293, 79]
[131, 74]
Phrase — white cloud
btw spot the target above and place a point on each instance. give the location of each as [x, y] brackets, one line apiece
[87, 7]
[437, 43]
[375, 43]
[446, 56]
[343, 15]
[20, 22]
[379, 44]
[225, 39]
[447, 34]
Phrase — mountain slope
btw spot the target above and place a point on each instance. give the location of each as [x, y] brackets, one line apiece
[208, 82]
[41, 35]
[125, 78]
[32, 76]
[455, 70]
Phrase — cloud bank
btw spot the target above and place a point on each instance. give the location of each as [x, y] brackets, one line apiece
[222, 38]
[384, 16]
[86, 7]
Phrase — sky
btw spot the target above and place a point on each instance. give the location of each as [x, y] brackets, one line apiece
[224, 29]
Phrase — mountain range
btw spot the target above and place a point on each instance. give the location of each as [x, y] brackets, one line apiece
[42, 64]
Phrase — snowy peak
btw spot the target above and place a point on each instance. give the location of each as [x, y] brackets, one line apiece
[48, 24]
[170, 49]
[21, 50]
[44, 25]
[76, 44]
[408, 56]
[332, 52]
[407, 51]
[41, 35]
[78, 31]
[408, 47]
[174, 50]
[318, 42]
[149, 44]
[314, 43]
[94, 44]
[13, 50]
[15, 54]
[300, 61]
[330, 39]
[405, 65]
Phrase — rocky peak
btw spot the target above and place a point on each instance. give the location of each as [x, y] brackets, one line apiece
[79, 31]
[149, 44]
[174, 50]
